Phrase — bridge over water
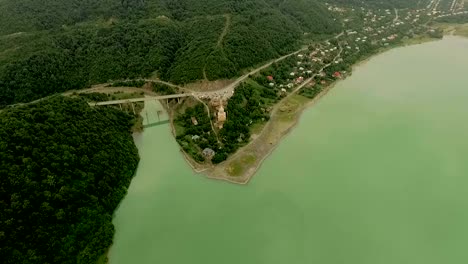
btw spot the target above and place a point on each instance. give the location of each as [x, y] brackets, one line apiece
[142, 99]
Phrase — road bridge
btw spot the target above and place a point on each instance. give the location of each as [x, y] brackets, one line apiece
[142, 99]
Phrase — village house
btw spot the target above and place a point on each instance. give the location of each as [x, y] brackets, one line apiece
[300, 79]
[208, 153]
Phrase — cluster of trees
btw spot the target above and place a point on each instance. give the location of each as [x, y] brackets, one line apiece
[245, 108]
[163, 89]
[72, 44]
[249, 105]
[193, 138]
[65, 167]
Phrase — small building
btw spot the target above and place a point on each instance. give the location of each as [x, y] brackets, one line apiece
[271, 84]
[337, 74]
[196, 137]
[208, 153]
[194, 121]
[270, 78]
[292, 73]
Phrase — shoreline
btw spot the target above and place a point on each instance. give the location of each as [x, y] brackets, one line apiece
[252, 170]
[276, 129]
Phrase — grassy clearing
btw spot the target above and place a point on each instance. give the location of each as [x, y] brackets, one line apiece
[238, 166]
[417, 40]
[257, 128]
[455, 29]
[462, 30]
[288, 109]
[21, 45]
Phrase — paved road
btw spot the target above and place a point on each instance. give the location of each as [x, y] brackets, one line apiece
[134, 100]
[227, 91]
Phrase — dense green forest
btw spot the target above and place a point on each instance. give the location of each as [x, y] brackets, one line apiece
[64, 169]
[52, 46]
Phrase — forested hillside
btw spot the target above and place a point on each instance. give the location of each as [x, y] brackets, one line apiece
[64, 167]
[55, 45]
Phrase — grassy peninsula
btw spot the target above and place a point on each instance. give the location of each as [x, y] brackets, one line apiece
[245, 127]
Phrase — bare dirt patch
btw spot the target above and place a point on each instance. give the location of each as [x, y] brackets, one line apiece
[206, 86]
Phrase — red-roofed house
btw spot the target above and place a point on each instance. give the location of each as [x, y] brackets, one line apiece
[270, 78]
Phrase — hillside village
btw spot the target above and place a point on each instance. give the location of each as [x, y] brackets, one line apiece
[366, 31]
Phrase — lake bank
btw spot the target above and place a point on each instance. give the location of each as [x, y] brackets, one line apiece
[374, 172]
[242, 165]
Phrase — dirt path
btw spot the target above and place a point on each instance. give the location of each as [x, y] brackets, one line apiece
[225, 30]
[220, 39]
[396, 16]
[204, 73]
